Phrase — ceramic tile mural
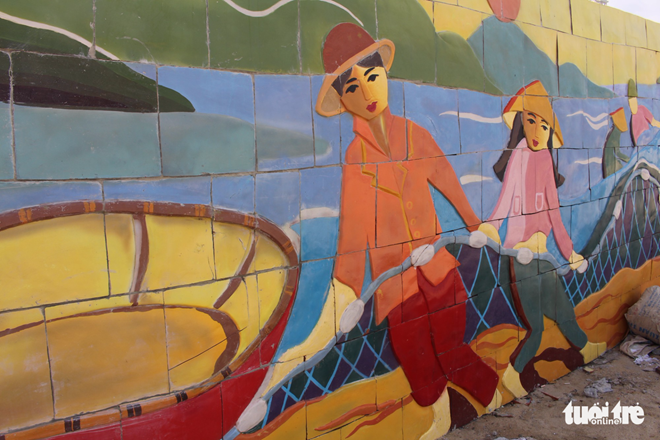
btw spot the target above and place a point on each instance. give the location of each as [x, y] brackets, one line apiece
[239, 219]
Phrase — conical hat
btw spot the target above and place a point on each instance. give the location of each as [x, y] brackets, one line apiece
[344, 47]
[534, 98]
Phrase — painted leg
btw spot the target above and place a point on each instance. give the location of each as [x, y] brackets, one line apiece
[511, 381]
[441, 418]
[527, 300]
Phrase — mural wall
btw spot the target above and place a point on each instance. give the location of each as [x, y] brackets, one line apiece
[305, 219]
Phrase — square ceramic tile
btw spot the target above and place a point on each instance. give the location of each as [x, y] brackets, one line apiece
[481, 124]
[436, 110]
[241, 39]
[613, 25]
[73, 16]
[574, 166]
[600, 64]
[234, 193]
[572, 66]
[284, 122]
[327, 131]
[635, 30]
[25, 344]
[414, 38]
[278, 197]
[530, 12]
[585, 16]
[555, 14]
[135, 31]
[217, 136]
[468, 171]
[624, 69]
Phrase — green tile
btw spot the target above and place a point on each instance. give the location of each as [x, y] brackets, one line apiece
[265, 44]
[408, 25]
[169, 32]
[56, 143]
[73, 16]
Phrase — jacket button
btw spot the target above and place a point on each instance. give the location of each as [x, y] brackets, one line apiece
[409, 205]
[413, 221]
[417, 234]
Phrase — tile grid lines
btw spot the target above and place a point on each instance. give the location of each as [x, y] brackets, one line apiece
[11, 116]
[158, 127]
[92, 49]
[208, 36]
[105, 237]
[50, 368]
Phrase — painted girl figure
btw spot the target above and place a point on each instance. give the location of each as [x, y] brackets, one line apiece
[530, 202]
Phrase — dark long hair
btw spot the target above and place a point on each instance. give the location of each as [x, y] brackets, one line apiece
[517, 135]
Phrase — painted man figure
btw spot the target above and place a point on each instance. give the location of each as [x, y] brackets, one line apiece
[640, 117]
[387, 214]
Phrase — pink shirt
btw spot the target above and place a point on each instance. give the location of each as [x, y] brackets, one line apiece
[641, 121]
[529, 199]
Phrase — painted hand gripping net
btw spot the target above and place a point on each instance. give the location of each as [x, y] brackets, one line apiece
[630, 223]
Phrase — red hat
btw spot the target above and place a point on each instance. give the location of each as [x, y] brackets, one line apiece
[344, 47]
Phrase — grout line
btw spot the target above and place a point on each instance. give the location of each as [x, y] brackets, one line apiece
[50, 363]
[215, 264]
[299, 42]
[208, 35]
[92, 48]
[11, 116]
[105, 236]
[254, 126]
[311, 102]
[158, 131]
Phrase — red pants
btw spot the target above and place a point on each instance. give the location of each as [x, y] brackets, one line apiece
[427, 337]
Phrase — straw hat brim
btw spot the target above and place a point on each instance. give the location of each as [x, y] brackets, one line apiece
[328, 102]
[517, 104]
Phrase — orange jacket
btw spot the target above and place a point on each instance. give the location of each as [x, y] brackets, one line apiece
[387, 209]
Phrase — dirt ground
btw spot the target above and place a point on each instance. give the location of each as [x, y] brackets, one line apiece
[540, 417]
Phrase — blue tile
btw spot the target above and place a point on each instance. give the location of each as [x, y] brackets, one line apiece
[212, 91]
[6, 157]
[327, 132]
[195, 190]
[278, 196]
[574, 166]
[435, 109]
[82, 144]
[284, 122]
[319, 237]
[596, 122]
[395, 97]
[595, 169]
[15, 195]
[320, 187]
[199, 143]
[481, 124]
[234, 192]
[570, 115]
[319, 226]
[491, 186]
[468, 170]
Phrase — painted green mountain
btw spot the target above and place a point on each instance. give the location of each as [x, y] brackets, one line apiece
[263, 36]
[512, 60]
[74, 82]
